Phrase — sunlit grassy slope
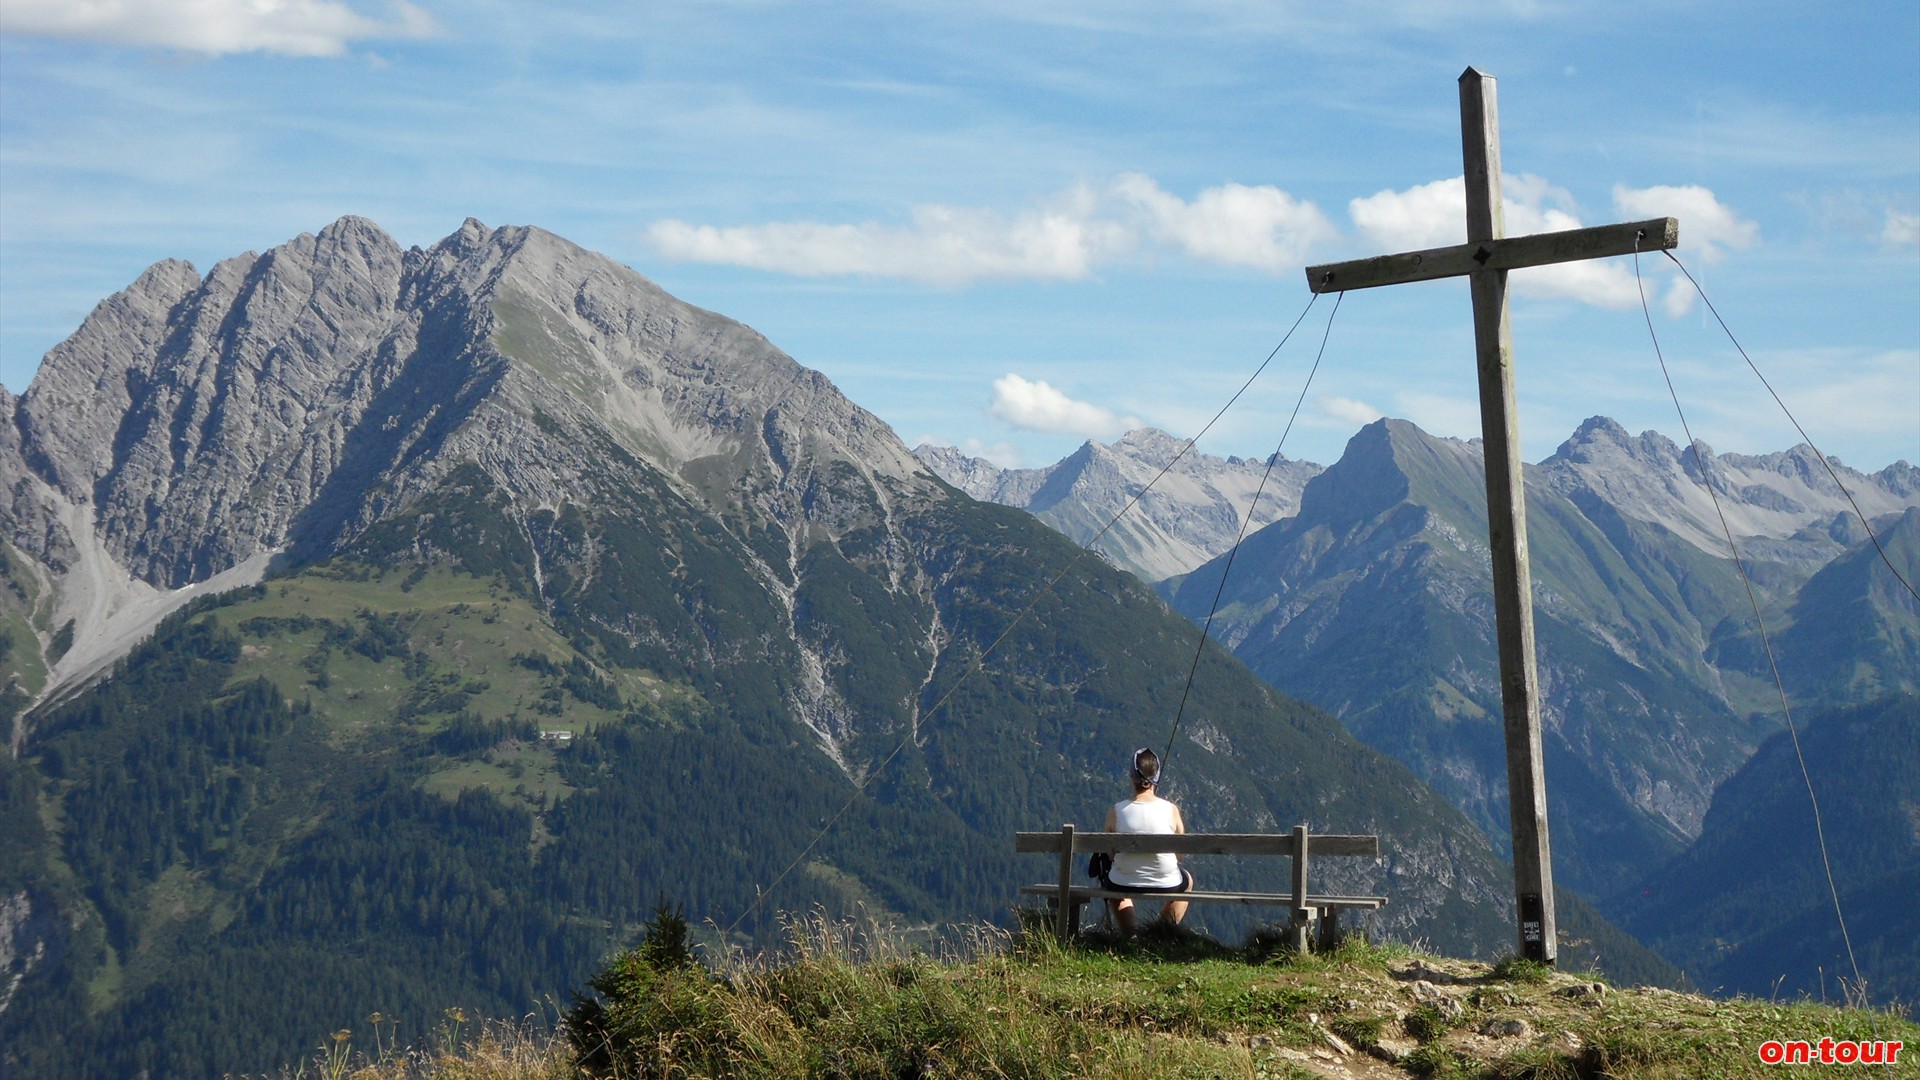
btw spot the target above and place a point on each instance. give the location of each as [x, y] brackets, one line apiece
[1169, 1005]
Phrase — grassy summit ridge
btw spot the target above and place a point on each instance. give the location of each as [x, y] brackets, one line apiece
[849, 1004]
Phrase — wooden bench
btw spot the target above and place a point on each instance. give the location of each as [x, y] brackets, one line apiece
[1066, 898]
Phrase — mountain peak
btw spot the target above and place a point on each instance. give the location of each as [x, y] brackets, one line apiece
[1194, 511]
[1599, 429]
[1650, 477]
[292, 399]
[1600, 438]
[1141, 441]
[1386, 462]
[167, 280]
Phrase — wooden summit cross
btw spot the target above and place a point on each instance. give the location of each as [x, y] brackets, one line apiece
[1485, 259]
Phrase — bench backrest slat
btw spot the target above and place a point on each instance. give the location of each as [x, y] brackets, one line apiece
[1195, 843]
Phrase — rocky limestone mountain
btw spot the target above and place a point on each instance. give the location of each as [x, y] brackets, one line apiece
[1193, 513]
[196, 427]
[1374, 602]
[567, 597]
[1785, 506]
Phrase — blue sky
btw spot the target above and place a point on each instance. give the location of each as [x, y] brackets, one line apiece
[1014, 226]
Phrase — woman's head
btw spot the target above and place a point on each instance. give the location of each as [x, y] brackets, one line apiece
[1146, 769]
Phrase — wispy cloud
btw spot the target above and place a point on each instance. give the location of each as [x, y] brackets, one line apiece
[944, 245]
[1034, 405]
[290, 27]
[1434, 215]
[1855, 404]
[1902, 229]
[1441, 414]
[1068, 238]
[1000, 452]
[1348, 410]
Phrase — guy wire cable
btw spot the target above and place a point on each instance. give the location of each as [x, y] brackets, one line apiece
[980, 659]
[1706, 479]
[1207, 627]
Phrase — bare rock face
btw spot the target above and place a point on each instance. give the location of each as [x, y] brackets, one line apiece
[1193, 513]
[1786, 496]
[196, 418]
[289, 400]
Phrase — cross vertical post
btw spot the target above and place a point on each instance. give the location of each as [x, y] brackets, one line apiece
[1507, 527]
[1484, 260]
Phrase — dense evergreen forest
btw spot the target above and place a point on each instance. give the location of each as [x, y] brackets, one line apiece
[309, 881]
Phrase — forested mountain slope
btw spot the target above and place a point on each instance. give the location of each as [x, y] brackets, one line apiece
[1747, 907]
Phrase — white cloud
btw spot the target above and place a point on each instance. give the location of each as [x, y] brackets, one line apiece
[1232, 224]
[1434, 215]
[1037, 406]
[945, 245]
[1902, 229]
[1067, 239]
[1427, 216]
[1706, 224]
[1441, 414]
[1679, 298]
[1348, 410]
[1001, 453]
[291, 27]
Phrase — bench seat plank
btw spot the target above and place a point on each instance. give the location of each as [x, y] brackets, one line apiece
[1084, 893]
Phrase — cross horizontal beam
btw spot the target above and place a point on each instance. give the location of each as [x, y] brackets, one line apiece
[1513, 253]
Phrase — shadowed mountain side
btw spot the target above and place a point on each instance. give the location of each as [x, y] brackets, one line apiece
[1747, 908]
[1854, 630]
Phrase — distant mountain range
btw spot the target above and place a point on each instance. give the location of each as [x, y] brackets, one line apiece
[1373, 602]
[393, 629]
[1186, 517]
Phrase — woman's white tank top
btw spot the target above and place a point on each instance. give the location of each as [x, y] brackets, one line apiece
[1144, 871]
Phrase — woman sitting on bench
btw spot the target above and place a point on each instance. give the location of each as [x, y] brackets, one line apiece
[1146, 812]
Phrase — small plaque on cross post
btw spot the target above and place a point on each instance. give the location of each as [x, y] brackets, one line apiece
[1484, 260]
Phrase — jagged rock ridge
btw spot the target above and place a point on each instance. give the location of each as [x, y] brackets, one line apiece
[287, 400]
[1193, 513]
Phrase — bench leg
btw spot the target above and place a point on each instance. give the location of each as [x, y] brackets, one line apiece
[1329, 929]
[1064, 912]
[1059, 920]
[1297, 932]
